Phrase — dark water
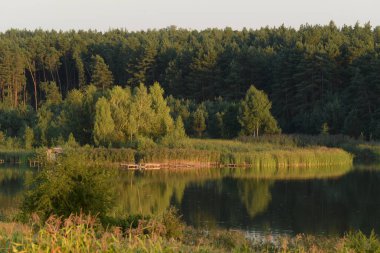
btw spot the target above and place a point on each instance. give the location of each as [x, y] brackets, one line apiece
[329, 203]
[12, 180]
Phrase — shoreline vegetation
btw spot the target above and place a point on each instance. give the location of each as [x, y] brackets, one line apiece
[143, 97]
[164, 233]
[205, 153]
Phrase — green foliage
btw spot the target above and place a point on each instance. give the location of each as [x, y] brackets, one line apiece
[69, 186]
[104, 125]
[121, 105]
[28, 138]
[246, 154]
[313, 75]
[199, 121]
[141, 112]
[254, 114]
[162, 121]
[101, 75]
[142, 143]
[80, 233]
[358, 242]
[85, 234]
[105, 156]
[73, 116]
[176, 137]
[71, 142]
[173, 224]
[52, 94]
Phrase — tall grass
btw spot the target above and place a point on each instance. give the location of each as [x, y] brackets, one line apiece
[222, 152]
[364, 151]
[165, 155]
[112, 155]
[279, 151]
[306, 157]
[248, 154]
[84, 234]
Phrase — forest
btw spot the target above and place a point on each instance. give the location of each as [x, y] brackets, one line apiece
[57, 85]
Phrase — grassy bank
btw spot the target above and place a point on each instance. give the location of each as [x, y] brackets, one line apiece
[363, 151]
[259, 155]
[161, 234]
[223, 152]
[279, 151]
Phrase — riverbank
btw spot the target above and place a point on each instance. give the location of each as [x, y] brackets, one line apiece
[277, 151]
[208, 153]
[164, 233]
[363, 151]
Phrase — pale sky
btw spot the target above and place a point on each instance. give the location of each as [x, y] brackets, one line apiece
[194, 14]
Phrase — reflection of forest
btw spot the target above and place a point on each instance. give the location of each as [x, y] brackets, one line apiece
[241, 198]
[326, 206]
[227, 202]
[11, 187]
[215, 198]
[153, 193]
[247, 189]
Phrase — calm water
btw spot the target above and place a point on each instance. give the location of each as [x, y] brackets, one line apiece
[330, 203]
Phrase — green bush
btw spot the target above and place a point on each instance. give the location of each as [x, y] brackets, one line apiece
[68, 185]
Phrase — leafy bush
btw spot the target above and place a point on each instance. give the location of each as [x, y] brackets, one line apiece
[67, 186]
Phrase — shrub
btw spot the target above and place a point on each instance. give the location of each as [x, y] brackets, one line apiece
[67, 186]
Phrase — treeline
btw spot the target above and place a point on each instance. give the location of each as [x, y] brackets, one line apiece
[137, 118]
[315, 76]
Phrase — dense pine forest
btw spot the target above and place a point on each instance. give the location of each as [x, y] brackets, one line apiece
[56, 84]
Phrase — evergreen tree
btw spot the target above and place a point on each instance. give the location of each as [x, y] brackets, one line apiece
[101, 75]
[313, 74]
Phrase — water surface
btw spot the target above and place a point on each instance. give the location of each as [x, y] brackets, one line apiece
[328, 201]
[347, 200]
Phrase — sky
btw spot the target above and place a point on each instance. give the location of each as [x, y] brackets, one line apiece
[135, 15]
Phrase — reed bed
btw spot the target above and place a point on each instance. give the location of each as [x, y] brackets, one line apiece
[165, 155]
[111, 155]
[306, 157]
[225, 152]
[264, 152]
[221, 153]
